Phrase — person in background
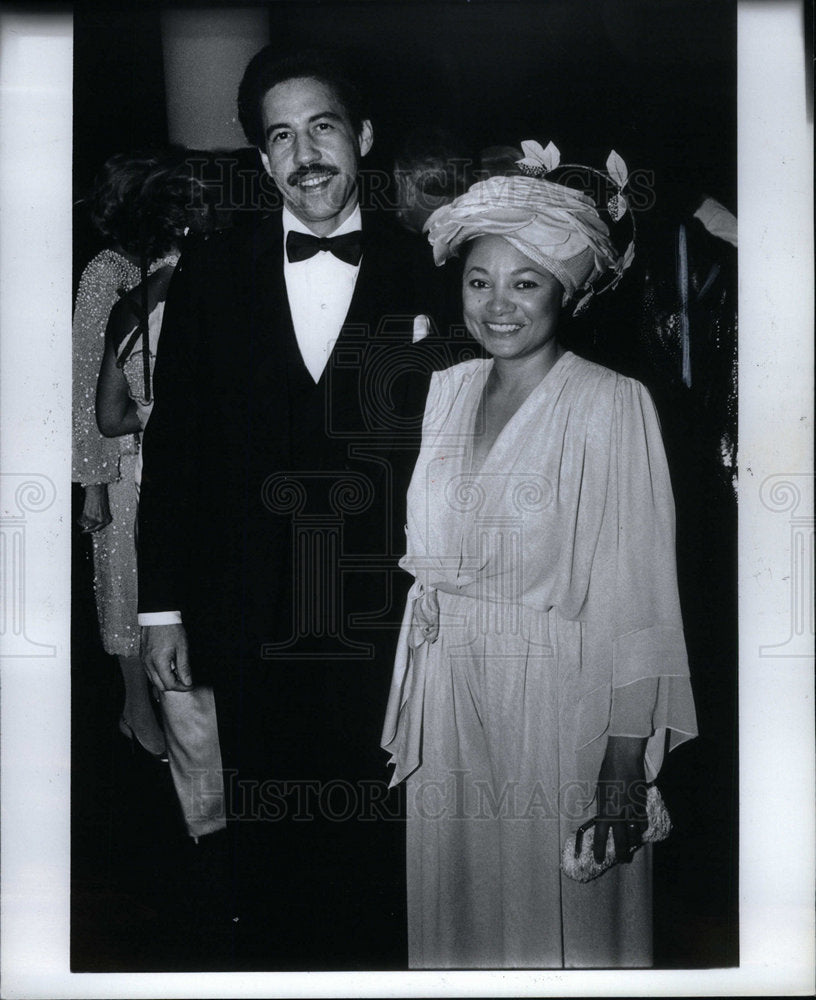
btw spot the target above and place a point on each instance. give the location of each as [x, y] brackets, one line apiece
[498, 161]
[431, 168]
[104, 467]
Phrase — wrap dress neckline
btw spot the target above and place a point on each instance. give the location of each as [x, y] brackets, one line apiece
[503, 445]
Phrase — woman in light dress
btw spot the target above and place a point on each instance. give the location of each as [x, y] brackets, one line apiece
[542, 669]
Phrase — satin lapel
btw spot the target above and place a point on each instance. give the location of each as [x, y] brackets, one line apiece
[262, 289]
[264, 278]
[380, 283]
[376, 323]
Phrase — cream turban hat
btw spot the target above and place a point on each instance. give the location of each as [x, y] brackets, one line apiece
[557, 227]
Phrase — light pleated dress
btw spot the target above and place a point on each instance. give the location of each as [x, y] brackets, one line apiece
[560, 625]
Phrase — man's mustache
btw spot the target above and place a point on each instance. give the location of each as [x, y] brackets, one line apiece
[310, 170]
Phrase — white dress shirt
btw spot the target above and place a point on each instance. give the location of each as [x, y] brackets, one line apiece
[319, 291]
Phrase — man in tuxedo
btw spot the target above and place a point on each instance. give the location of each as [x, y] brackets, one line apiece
[289, 390]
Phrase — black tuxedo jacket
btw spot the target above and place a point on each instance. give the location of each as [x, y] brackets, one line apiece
[271, 512]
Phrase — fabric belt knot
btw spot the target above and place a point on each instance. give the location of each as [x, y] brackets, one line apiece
[347, 247]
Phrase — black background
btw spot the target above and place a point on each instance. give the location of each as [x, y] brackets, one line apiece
[654, 80]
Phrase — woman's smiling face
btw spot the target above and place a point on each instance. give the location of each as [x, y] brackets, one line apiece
[512, 306]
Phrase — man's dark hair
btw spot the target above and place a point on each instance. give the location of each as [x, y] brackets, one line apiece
[268, 68]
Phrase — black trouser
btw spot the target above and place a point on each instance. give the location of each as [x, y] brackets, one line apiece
[318, 870]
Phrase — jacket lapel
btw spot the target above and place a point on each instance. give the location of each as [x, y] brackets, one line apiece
[378, 323]
[262, 286]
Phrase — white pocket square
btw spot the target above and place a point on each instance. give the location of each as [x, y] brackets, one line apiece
[422, 327]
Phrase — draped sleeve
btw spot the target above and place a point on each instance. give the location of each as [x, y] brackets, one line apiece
[95, 458]
[571, 513]
[636, 665]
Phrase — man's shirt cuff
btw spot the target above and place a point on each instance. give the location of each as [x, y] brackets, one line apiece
[160, 618]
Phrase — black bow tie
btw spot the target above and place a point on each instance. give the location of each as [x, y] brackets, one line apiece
[347, 247]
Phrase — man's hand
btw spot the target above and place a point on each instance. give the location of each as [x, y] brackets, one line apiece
[95, 510]
[621, 798]
[165, 657]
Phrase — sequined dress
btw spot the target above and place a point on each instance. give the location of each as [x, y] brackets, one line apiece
[112, 461]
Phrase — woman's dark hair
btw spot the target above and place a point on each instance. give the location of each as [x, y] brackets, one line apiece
[267, 68]
[144, 200]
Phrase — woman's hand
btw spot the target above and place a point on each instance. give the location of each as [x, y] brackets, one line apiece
[621, 798]
[96, 509]
[425, 626]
